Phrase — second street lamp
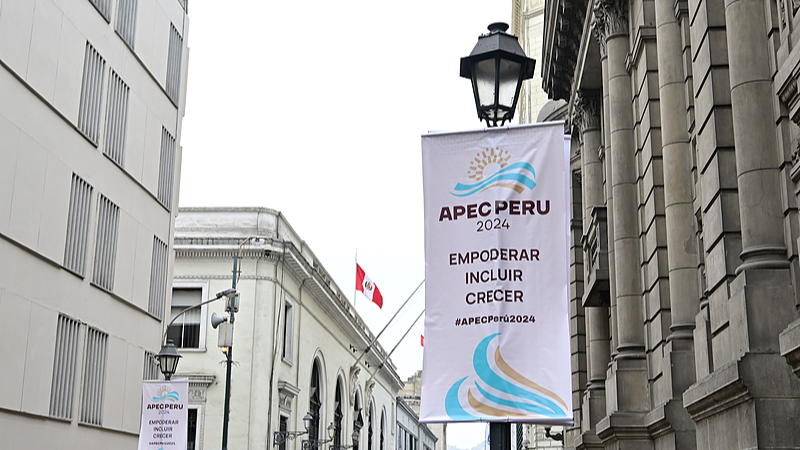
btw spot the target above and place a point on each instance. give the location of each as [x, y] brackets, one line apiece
[497, 67]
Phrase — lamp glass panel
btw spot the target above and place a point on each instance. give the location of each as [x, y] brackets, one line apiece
[509, 78]
[484, 81]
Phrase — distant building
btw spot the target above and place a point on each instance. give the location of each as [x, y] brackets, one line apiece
[527, 24]
[411, 394]
[296, 344]
[91, 101]
[412, 435]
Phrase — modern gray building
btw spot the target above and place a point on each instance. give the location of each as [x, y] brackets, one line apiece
[91, 101]
[685, 180]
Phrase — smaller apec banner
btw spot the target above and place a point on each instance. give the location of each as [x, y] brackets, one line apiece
[497, 343]
[165, 416]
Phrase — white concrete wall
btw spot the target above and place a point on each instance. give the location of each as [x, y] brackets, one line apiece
[42, 44]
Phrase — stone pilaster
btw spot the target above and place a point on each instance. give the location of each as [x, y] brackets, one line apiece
[754, 388]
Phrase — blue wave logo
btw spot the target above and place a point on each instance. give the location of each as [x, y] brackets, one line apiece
[497, 396]
[166, 394]
[490, 169]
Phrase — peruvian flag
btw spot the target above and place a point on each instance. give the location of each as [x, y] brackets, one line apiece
[367, 287]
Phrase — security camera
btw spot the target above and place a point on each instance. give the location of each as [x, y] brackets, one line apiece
[267, 249]
[217, 320]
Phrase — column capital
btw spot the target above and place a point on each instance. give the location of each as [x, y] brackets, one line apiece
[586, 115]
[614, 14]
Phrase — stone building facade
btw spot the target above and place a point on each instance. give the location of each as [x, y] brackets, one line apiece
[92, 97]
[685, 182]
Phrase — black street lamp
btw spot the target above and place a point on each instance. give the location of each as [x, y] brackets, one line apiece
[168, 359]
[497, 66]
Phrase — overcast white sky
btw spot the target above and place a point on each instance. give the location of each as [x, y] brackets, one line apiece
[316, 109]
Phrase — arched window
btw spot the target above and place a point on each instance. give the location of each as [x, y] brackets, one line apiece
[337, 415]
[315, 404]
[383, 431]
[369, 427]
[358, 421]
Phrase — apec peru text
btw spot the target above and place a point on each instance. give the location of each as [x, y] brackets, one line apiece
[501, 207]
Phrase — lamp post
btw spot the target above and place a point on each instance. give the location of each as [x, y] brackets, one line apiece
[232, 307]
[497, 66]
[168, 359]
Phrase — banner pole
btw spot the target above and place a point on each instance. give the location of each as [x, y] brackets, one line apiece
[355, 288]
[385, 358]
[375, 339]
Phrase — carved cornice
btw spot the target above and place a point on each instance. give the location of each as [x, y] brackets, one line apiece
[587, 110]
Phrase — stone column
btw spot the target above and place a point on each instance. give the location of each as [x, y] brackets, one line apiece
[682, 247]
[588, 110]
[598, 30]
[623, 182]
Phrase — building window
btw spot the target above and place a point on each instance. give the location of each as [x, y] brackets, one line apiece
[166, 169]
[91, 94]
[94, 376]
[80, 206]
[283, 426]
[338, 415]
[116, 119]
[105, 251]
[191, 432]
[62, 391]
[126, 20]
[315, 403]
[185, 331]
[150, 370]
[174, 65]
[158, 279]
[288, 321]
[104, 7]
[382, 444]
[369, 428]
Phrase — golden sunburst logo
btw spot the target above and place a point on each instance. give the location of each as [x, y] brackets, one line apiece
[485, 160]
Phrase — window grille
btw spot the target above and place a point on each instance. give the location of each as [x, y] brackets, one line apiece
[150, 371]
[105, 251]
[80, 203]
[185, 332]
[62, 391]
[126, 20]
[166, 168]
[174, 65]
[94, 376]
[116, 119]
[158, 279]
[104, 7]
[91, 94]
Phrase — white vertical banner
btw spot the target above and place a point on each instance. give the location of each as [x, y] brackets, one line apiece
[165, 415]
[497, 341]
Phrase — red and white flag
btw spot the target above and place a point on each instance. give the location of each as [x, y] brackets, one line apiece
[367, 287]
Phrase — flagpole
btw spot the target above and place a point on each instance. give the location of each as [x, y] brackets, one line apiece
[375, 339]
[355, 288]
[385, 358]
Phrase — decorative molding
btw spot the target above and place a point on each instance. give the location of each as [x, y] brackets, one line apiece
[598, 26]
[614, 17]
[286, 394]
[354, 371]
